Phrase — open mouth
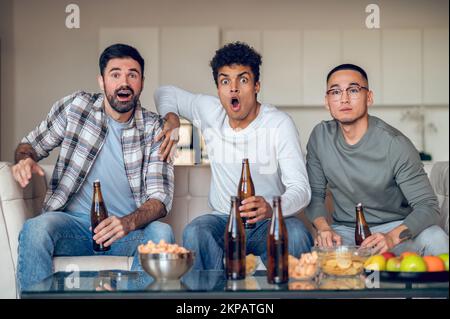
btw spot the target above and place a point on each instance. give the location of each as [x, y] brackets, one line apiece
[235, 104]
[124, 94]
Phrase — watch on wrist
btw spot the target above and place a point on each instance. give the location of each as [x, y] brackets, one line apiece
[405, 235]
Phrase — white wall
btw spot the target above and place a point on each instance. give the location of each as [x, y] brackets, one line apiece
[6, 62]
[42, 60]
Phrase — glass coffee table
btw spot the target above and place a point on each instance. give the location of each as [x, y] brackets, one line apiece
[213, 285]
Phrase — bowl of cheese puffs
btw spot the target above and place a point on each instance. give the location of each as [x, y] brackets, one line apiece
[165, 261]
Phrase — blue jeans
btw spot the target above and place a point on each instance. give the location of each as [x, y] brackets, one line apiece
[205, 236]
[67, 234]
[431, 241]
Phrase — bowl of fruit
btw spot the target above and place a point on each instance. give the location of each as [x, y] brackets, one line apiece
[408, 266]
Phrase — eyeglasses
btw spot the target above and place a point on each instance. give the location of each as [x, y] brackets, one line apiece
[353, 93]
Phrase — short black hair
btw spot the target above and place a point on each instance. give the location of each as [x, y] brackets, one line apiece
[239, 53]
[120, 51]
[348, 66]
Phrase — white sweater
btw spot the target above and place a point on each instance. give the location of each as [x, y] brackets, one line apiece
[270, 142]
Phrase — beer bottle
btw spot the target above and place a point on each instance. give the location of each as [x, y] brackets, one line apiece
[246, 189]
[277, 247]
[235, 248]
[362, 230]
[98, 214]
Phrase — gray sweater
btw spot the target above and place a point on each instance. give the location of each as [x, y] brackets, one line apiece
[383, 171]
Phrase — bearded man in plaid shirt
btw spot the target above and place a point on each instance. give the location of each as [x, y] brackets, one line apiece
[107, 137]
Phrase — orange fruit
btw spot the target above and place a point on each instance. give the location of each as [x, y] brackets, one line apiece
[434, 263]
[407, 253]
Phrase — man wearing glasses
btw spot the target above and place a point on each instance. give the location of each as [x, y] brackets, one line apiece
[360, 158]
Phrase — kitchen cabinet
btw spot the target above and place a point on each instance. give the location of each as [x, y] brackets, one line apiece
[185, 53]
[251, 37]
[363, 48]
[321, 52]
[282, 67]
[435, 66]
[401, 67]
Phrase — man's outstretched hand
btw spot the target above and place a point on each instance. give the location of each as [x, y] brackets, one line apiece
[24, 169]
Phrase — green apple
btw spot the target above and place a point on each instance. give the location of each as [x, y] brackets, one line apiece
[393, 264]
[413, 263]
[444, 258]
[375, 262]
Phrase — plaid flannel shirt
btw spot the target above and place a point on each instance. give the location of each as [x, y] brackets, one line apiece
[78, 124]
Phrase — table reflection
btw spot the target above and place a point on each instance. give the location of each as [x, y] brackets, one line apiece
[207, 282]
[342, 283]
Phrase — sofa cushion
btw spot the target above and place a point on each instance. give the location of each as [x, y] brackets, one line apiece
[181, 181]
[199, 181]
[439, 178]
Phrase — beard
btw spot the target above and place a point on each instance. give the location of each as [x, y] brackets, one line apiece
[123, 106]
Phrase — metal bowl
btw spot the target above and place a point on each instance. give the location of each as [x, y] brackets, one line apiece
[167, 266]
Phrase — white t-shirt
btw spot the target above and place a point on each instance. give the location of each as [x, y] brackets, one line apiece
[270, 142]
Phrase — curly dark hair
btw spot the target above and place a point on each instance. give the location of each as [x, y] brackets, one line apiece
[236, 53]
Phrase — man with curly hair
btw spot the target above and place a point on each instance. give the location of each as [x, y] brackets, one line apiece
[237, 126]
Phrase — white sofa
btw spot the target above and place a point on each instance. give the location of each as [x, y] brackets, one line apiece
[17, 205]
[190, 201]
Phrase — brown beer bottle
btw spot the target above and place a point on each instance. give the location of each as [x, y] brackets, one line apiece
[98, 214]
[277, 247]
[246, 189]
[362, 230]
[235, 248]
